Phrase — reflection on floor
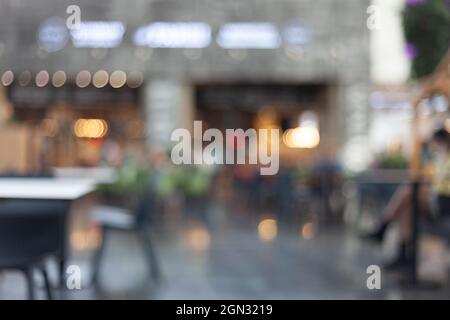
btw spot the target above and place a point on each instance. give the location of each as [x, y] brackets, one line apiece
[235, 261]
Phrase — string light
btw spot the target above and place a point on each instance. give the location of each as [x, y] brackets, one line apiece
[59, 79]
[7, 78]
[118, 79]
[83, 79]
[42, 78]
[100, 79]
[24, 78]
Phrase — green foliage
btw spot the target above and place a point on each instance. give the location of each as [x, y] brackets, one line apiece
[427, 27]
[167, 182]
[188, 180]
[131, 180]
[196, 182]
[393, 161]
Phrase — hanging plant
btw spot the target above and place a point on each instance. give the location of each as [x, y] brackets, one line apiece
[426, 25]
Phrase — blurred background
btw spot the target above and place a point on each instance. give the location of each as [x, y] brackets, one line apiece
[91, 91]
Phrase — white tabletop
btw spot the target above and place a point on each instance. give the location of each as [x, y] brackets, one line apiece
[100, 174]
[45, 188]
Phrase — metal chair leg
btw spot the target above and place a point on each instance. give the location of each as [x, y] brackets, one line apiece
[48, 289]
[149, 249]
[30, 283]
[98, 257]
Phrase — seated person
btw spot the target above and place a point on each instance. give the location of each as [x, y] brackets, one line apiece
[434, 198]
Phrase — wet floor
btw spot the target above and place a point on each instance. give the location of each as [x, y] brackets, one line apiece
[245, 260]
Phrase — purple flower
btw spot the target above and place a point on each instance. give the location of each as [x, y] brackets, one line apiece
[414, 2]
[411, 51]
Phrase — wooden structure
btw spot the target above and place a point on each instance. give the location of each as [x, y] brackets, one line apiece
[437, 83]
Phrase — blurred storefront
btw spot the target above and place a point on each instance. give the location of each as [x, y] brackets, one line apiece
[144, 77]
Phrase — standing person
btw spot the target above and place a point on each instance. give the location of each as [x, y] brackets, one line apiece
[326, 184]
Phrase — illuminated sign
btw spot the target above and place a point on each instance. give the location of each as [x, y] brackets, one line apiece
[174, 35]
[98, 34]
[248, 35]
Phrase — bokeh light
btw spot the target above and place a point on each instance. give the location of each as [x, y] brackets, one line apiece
[90, 128]
[100, 79]
[135, 79]
[42, 78]
[268, 229]
[118, 79]
[302, 137]
[59, 78]
[308, 231]
[83, 79]
[7, 78]
[198, 238]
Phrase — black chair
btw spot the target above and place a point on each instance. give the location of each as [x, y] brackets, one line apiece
[137, 221]
[29, 234]
[440, 225]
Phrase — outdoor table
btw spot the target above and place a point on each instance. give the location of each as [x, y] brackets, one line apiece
[49, 189]
[99, 174]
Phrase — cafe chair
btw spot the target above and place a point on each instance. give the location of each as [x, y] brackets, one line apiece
[28, 236]
[137, 221]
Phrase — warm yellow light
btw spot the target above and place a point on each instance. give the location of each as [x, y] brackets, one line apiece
[198, 238]
[287, 137]
[308, 231]
[267, 117]
[82, 240]
[78, 128]
[78, 240]
[90, 128]
[302, 137]
[267, 229]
